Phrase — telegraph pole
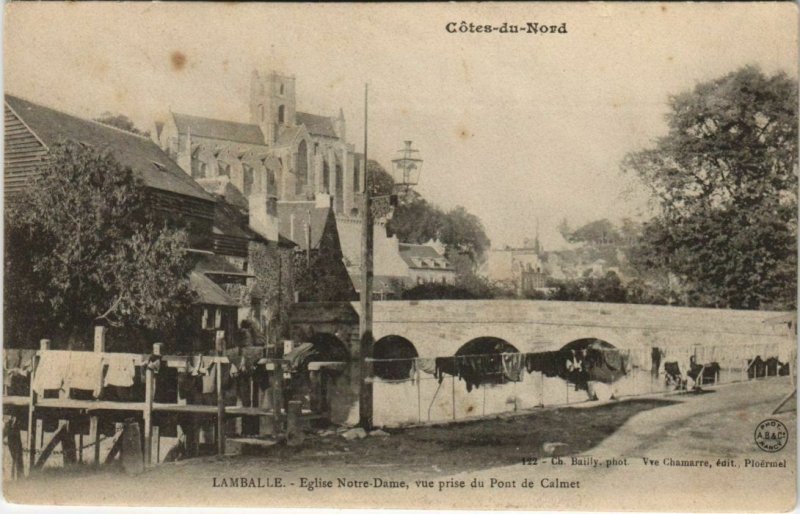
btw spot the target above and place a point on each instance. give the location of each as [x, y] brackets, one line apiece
[365, 320]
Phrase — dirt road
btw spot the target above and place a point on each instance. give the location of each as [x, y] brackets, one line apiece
[678, 429]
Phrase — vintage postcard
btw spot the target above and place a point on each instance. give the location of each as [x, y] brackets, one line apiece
[534, 256]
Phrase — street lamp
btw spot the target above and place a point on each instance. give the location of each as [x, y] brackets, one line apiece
[407, 168]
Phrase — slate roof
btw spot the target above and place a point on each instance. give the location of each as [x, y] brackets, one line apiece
[298, 213]
[208, 292]
[143, 156]
[219, 129]
[423, 257]
[316, 124]
[287, 136]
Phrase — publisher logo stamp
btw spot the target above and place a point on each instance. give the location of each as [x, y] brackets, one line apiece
[771, 435]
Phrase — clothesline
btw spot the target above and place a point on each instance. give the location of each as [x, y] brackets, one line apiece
[745, 351]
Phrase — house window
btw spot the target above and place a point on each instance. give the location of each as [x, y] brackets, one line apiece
[212, 318]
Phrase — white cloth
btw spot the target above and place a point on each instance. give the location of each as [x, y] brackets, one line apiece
[51, 372]
[86, 372]
[121, 370]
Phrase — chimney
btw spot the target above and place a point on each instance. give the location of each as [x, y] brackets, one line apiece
[263, 215]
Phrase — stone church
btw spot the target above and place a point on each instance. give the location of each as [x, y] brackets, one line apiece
[288, 171]
[281, 155]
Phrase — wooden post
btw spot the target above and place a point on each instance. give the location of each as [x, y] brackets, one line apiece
[316, 391]
[68, 442]
[277, 398]
[33, 424]
[99, 338]
[94, 437]
[294, 432]
[219, 344]
[15, 450]
[155, 445]
[148, 407]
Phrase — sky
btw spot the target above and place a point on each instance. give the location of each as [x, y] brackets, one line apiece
[514, 127]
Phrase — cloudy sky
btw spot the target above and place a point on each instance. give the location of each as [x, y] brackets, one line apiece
[513, 127]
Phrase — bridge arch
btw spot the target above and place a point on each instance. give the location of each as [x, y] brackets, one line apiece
[486, 345]
[329, 347]
[393, 347]
[584, 342]
[492, 368]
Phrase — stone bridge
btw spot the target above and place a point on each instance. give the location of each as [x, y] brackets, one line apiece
[439, 328]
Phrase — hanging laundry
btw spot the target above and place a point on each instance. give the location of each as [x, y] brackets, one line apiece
[51, 372]
[121, 370]
[17, 365]
[513, 363]
[472, 369]
[445, 365]
[86, 372]
[210, 378]
[196, 366]
[11, 359]
[548, 363]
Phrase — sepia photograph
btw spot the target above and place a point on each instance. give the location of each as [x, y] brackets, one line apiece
[475, 256]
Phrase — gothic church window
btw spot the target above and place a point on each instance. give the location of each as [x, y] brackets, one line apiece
[199, 169]
[301, 168]
[356, 178]
[281, 114]
[247, 179]
[326, 177]
[224, 169]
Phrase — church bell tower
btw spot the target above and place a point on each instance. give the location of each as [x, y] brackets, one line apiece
[272, 103]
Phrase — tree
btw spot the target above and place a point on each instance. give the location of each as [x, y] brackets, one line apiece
[416, 221]
[463, 232]
[600, 232]
[725, 177]
[83, 246]
[120, 121]
[382, 181]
